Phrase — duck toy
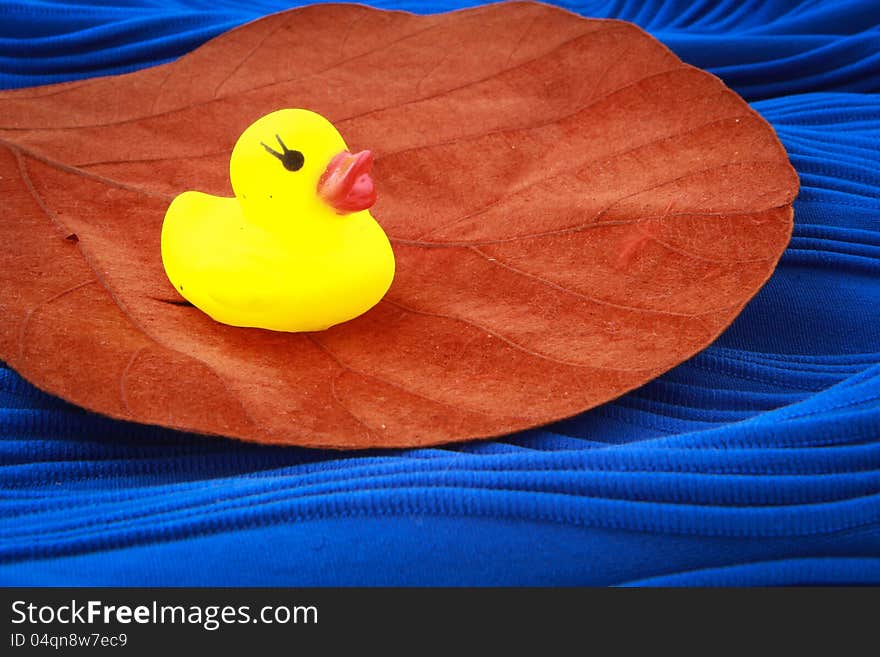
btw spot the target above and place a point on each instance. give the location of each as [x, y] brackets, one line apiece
[296, 249]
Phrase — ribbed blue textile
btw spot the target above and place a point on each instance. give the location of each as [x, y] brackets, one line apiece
[756, 462]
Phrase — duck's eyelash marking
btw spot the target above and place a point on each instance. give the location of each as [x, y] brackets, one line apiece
[292, 160]
[280, 156]
[271, 150]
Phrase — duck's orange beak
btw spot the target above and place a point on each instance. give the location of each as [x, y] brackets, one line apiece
[346, 183]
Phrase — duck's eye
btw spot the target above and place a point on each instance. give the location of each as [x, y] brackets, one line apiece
[291, 159]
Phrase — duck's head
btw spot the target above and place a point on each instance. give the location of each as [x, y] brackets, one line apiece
[292, 164]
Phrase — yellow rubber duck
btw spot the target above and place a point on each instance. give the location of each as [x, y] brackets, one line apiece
[296, 249]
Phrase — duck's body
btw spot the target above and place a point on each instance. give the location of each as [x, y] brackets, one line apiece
[290, 252]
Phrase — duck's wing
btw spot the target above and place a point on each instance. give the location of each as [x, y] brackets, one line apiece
[243, 290]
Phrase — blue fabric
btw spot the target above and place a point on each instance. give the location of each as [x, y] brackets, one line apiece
[756, 462]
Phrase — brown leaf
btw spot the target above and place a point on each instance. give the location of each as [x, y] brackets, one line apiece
[600, 212]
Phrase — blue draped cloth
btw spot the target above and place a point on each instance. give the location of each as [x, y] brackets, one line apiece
[755, 462]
